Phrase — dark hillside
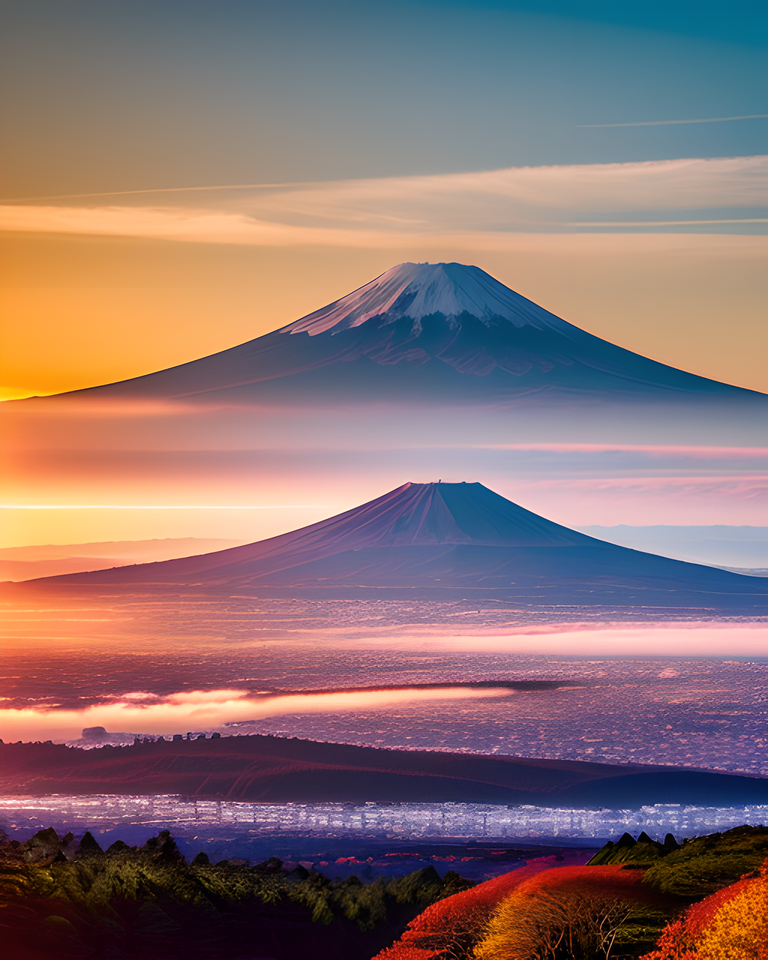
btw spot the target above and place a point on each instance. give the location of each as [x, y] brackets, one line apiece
[695, 869]
[278, 770]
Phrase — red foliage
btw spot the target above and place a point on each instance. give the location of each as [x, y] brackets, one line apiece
[426, 935]
[681, 939]
[612, 879]
[700, 914]
[673, 944]
[441, 929]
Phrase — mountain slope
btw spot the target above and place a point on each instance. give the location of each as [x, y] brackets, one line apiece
[433, 539]
[438, 331]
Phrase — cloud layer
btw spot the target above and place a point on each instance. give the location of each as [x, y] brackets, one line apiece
[196, 710]
[207, 709]
[470, 208]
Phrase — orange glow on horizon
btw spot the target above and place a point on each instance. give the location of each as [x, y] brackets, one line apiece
[81, 311]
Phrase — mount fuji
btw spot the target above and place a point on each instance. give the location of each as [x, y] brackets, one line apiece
[443, 332]
[422, 370]
[442, 541]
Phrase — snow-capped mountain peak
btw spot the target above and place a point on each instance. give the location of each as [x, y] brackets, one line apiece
[418, 290]
[423, 332]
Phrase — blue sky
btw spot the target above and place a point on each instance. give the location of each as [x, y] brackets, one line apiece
[104, 96]
[551, 143]
[742, 21]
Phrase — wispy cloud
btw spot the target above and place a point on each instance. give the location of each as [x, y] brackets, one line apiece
[209, 188]
[609, 639]
[174, 506]
[668, 123]
[479, 209]
[158, 223]
[663, 223]
[207, 709]
[660, 449]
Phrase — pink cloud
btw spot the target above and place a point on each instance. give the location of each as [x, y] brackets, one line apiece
[664, 450]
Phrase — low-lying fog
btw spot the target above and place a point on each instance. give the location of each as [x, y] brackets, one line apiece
[687, 690]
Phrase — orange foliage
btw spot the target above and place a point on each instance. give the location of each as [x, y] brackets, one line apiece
[700, 914]
[451, 928]
[574, 912]
[447, 928]
[731, 924]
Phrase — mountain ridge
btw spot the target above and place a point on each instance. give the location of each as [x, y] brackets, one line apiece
[445, 331]
[439, 539]
[269, 769]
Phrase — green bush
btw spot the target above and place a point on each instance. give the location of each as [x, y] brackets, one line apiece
[135, 900]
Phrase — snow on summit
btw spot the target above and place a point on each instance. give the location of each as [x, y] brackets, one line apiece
[417, 290]
[424, 333]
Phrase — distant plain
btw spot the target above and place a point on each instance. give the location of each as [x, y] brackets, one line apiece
[144, 664]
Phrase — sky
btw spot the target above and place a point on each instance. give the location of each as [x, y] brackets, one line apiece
[183, 176]
[179, 177]
[187, 93]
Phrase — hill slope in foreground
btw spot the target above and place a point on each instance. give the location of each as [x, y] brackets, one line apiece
[277, 770]
[440, 540]
[610, 908]
[65, 897]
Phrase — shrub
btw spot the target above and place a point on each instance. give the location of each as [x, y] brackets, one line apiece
[732, 924]
[570, 912]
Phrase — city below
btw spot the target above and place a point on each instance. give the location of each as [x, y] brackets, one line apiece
[393, 821]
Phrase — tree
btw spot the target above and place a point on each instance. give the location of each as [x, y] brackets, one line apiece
[575, 916]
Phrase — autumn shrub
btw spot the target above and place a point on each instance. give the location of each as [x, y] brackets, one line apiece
[570, 913]
[450, 929]
[731, 924]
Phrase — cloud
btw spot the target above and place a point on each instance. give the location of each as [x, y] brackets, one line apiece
[692, 638]
[142, 712]
[664, 223]
[206, 709]
[747, 486]
[667, 123]
[696, 452]
[160, 506]
[158, 223]
[525, 195]
[484, 210]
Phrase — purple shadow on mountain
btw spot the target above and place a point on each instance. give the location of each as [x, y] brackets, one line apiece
[444, 332]
[444, 541]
